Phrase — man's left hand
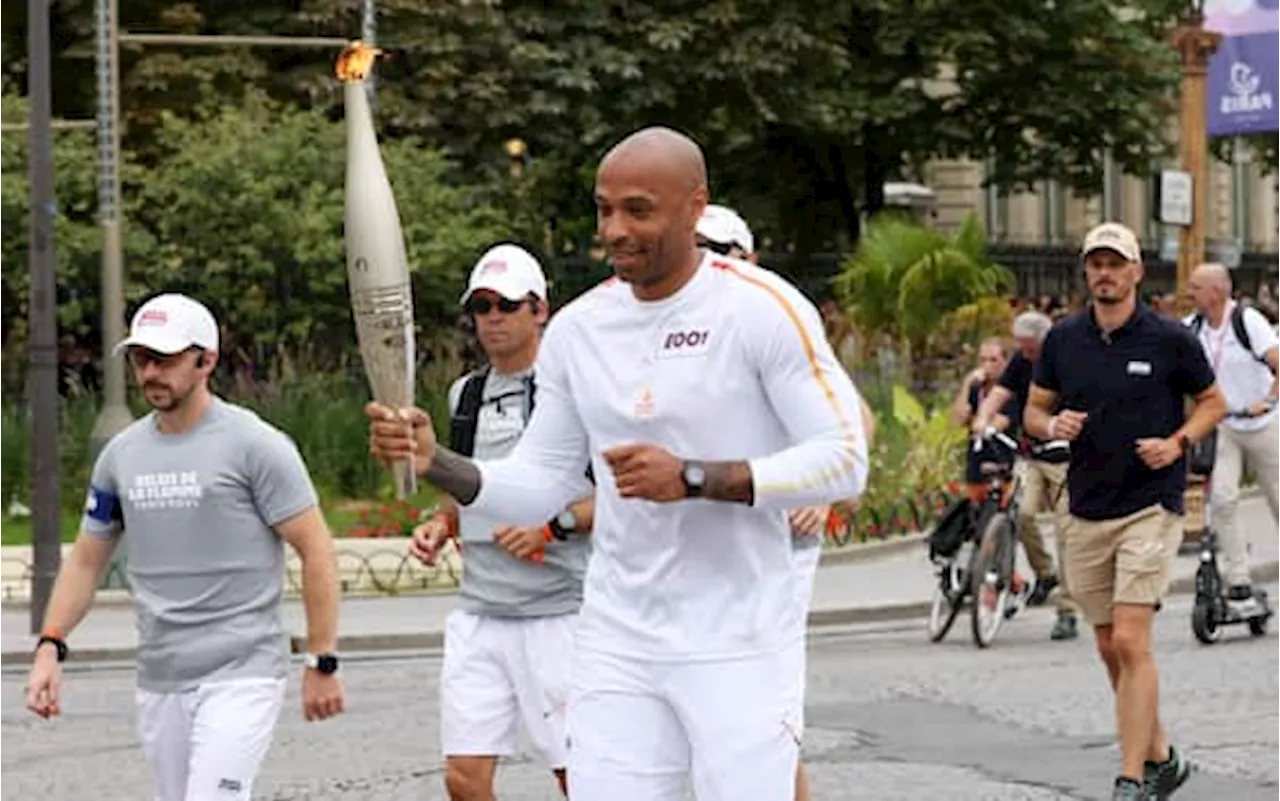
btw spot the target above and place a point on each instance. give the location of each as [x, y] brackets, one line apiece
[808, 520]
[646, 472]
[322, 695]
[522, 542]
[1260, 408]
[1159, 452]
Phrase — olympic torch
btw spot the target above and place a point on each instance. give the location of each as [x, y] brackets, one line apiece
[377, 268]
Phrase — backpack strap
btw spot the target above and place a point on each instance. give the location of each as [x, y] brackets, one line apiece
[530, 390]
[1242, 333]
[462, 424]
[1196, 323]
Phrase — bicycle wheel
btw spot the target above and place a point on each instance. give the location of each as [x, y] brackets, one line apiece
[948, 596]
[992, 578]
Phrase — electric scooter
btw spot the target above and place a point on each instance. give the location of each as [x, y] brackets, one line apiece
[1213, 610]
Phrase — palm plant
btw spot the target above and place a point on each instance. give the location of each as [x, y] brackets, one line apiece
[905, 278]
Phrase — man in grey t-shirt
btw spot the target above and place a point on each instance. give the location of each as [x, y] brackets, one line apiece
[206, 492]
[507, 649]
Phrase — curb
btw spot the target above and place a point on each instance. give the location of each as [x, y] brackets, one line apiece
[873, 549]
[1265, 573]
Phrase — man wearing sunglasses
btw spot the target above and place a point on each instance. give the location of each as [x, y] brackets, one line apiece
[722, 230]
[507, 649]
[206, 492]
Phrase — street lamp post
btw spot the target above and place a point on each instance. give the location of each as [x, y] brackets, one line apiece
[1195, 46]
[42, 342]
[114, 416]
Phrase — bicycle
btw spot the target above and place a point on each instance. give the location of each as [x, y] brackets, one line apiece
[974, 547]
[1212, 610]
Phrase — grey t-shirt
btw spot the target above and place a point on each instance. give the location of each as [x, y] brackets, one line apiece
[495, 583]
[206, 566]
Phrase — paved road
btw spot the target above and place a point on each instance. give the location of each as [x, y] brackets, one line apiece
[890, 717]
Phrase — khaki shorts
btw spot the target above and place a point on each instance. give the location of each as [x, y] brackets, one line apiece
[1123, 561]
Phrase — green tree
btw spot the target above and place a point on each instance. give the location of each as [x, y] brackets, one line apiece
[77, 236]
[247, 207]
[804, 115]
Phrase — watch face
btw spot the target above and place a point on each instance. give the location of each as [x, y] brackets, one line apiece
[695, 475]
[327, 664]
[567, 520]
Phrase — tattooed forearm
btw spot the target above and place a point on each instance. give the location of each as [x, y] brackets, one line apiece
[729, 481]
[455, 474]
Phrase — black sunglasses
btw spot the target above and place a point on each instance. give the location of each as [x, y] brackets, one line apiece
[485, 305]
[718, 247]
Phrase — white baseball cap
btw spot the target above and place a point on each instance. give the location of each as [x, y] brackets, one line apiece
[509, 270]
[1113, 236]
[723, 226]
[171, 323]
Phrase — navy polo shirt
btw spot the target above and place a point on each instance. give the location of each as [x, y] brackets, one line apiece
[1133, 383]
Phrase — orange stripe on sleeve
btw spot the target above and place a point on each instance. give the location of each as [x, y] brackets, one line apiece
[811, 354]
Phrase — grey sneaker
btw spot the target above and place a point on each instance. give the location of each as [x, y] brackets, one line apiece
[1162, 778]
[1064, 628]
[1129, 790]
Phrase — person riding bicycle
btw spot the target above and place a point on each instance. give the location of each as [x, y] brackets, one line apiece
[973, 393]
[1043, 481]
[1242, 349]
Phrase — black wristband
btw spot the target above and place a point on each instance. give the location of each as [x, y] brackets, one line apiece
[558, 531]
[59, 644]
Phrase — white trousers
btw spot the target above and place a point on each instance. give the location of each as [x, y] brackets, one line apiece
[207, 744]
[1260, 450]
[638, 731]
[499, 673]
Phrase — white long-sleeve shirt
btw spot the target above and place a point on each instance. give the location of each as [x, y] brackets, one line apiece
[734, 366]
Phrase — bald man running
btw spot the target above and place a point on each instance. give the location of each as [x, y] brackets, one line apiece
[707, 398]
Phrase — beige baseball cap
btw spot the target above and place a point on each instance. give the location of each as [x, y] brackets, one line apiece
[1113, 236]
[169, 324]
[509, 270]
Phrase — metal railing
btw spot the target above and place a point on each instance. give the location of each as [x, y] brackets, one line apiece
[390, 570]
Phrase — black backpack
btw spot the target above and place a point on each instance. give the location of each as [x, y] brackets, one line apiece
[462, 425]
[1237, 324]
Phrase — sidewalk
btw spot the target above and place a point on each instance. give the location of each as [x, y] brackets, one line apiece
[895, 583]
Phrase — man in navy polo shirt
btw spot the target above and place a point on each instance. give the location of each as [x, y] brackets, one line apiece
[1120, 375]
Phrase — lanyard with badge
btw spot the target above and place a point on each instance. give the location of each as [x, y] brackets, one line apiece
[1215, 352]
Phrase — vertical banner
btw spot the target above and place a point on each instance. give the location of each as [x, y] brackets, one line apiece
[1242, 84]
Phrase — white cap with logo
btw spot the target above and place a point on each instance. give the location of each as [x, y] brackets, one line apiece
[1113, 236]
[170, 324]
[509, 270]
[724, 226]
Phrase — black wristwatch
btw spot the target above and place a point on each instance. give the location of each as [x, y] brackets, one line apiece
[58, 643]
[324, 663]
[694, 476]
[563, 524]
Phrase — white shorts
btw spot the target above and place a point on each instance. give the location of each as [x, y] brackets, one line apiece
[638, 729]
[206, 744]
[500, 672]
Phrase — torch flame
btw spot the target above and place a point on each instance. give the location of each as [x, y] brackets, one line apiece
[355, 62]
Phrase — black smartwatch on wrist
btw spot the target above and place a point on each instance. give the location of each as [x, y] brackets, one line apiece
[563, 524]
[59, 644]
[326, 664]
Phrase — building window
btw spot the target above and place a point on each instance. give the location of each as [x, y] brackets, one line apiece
[1151, 226]
[1112, 190]
[996, 210]
[1241, 196]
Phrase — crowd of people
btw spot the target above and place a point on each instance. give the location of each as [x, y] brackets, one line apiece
[638, 483]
